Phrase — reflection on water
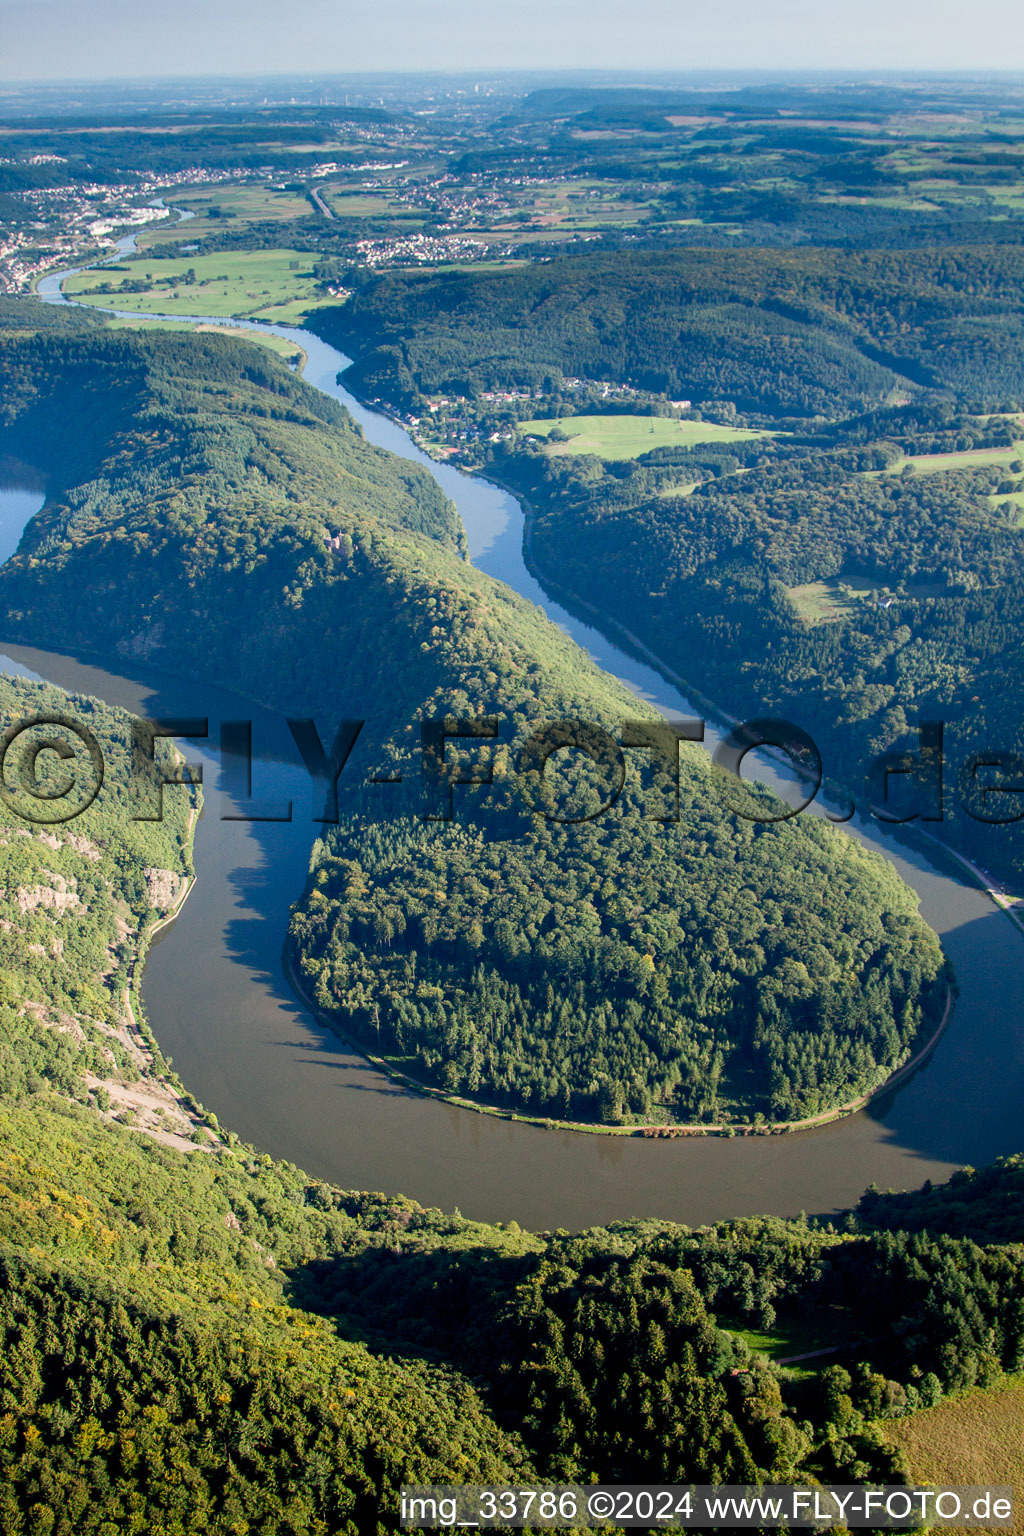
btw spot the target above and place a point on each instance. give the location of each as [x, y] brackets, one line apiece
[17, 505]
[217, 997]
[221, 1007]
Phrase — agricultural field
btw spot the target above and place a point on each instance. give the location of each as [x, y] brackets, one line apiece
[356, 202]
[626, 437]
[220, 208]
[561, 210]
[581, 205]
[266, 285]
[975, 1438]
[977, 458]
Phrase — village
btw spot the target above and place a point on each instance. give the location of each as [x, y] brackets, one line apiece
[80, 221]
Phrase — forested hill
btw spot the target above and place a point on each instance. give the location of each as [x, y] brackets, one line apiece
[223, 422]
[80, 883]
[194, 1337]
[785, 333]
[500, 955]
[152, 1375]
[856, 586]
[857, 575]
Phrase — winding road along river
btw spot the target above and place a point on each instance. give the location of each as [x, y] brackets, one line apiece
[218, 1001]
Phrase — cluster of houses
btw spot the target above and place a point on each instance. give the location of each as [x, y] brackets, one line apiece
[422, 250]
[73, 222]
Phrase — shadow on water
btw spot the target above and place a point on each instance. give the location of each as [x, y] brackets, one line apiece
[963, 1105]
[222, 1008]
[18, 503]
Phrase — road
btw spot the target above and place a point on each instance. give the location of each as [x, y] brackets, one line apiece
[319, 203]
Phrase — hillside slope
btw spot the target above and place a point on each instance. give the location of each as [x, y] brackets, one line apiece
[215, 521]
[785, 333]
[195, 1337]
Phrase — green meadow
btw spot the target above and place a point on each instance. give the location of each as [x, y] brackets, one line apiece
[820, 602]
[224, 207]
[626, 437]
[263, 285]
[976, 458]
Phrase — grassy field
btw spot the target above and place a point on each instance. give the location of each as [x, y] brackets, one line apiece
[794, 1336]
[222, 208]
[820, 602]
[829, 601]
[355, 203]
[290, 353]
[1014, 500]
[977, 458]
[626, 437]
[265, 285]
[976, 1438]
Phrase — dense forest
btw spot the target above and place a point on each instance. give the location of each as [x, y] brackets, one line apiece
[858, 573]
[798, 334]
[735, 975]
[193, 1336]
[221, 518]
[856, 587]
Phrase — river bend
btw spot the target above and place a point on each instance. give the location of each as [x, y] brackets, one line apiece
[219, 1003]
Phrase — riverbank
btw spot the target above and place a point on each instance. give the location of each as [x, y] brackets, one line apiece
[156, 1070]
[244, 1039]
[651, 1130]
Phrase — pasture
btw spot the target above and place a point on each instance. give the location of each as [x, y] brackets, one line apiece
[266, 285]
[626, 437]
[977, 1437]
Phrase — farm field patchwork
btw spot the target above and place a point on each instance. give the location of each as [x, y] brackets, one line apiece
[626, 437]
[224, 207]
[357, 203]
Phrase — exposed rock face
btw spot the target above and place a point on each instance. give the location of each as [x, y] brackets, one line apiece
[81, 845]
[60, 897]
[162, 886]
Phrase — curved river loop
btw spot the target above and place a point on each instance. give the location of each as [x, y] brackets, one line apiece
[218, 1000]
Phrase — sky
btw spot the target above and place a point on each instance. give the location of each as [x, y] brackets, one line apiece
[106, 39]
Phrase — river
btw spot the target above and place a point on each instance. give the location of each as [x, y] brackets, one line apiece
[218, 1001]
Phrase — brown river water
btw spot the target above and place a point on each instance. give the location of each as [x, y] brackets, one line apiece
[218, 1000]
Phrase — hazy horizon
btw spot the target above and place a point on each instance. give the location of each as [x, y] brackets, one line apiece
[50, 41]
